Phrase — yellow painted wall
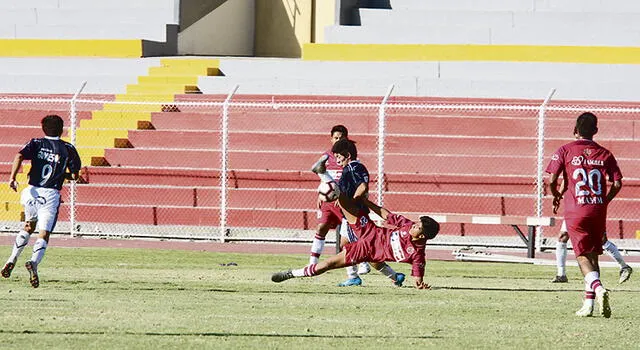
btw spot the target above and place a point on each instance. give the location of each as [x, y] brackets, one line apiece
[282, 27]
[325, 15]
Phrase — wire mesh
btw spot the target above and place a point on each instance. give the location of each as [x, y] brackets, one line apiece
[153, 168]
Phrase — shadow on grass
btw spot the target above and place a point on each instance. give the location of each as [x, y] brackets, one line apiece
[498, 289]
[219, 334]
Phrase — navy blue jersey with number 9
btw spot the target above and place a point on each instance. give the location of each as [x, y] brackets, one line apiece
[50, 158]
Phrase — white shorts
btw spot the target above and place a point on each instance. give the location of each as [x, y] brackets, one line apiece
[347, 232]
[41, 205]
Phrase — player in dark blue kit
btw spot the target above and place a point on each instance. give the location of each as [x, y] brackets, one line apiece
[52, 161]
[354, 183]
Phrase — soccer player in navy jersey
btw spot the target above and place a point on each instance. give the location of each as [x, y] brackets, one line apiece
[354, 184]
[52, 161]
[587, 165]
[400, 239]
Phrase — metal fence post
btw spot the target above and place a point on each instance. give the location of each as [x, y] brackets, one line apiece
[73, 116]
[381, 139]
[224, 157]
[540, 166]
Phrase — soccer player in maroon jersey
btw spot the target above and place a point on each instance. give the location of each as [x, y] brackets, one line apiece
[586, 165]
[400, 239]
[329, 215]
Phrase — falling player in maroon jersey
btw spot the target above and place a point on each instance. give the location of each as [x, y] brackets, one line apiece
[586, 165]
[400, 239]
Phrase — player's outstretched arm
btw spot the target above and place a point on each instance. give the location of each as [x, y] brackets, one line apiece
[380, 211]
[420, 284]
[615, 188]
[17, 162]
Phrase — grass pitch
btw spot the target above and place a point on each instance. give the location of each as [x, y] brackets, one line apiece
[164, 299]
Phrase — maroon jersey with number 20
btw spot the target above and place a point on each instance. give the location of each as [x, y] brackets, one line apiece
[587, 166]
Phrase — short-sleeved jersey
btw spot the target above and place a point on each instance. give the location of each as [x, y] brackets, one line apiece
[333, 168]
[50, 158]
[586, 165]
[353, 175]
[392, 242]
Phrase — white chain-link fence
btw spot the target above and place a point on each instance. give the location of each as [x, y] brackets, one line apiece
[237, 167]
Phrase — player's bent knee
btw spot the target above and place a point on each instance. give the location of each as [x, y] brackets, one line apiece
[563, 237]
[30, 226]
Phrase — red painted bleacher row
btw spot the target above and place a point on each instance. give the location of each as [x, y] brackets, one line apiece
[406, 121]
[304, 199]
[361, 123]
[270, 218]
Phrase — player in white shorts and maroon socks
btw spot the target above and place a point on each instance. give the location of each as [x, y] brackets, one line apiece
[329, 215]
[52, 161]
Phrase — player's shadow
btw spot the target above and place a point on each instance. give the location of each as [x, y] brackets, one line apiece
[499, 289]
[218, 334]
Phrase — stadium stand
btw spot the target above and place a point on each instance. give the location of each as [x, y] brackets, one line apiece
[156, 163]
[117, 28]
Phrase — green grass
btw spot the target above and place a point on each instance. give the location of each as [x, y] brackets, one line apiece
[164, 299]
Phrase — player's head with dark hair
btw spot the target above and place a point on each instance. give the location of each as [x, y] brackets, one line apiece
[586, 125]
[341, 129]
[346, 148]
[52, 125]
[430, 227]
[339, 132]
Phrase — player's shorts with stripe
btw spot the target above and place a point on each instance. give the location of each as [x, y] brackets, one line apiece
[586, 234]
[41, 204]
[329, 213]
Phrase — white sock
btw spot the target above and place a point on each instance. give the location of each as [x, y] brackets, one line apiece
[325, 177]
[316, 249]
[387, 271]
[561, 258]
[589, 295]
[38, 250]
[614, 253]
[22, 239]
[307, 271]
[352, 271]
[592, 277]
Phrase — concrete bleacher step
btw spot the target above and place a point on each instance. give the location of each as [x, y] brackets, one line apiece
[502, 19]
[393, 143]
[153, 31]
[418, 163]
[622, 6]
[450, 122]
[239, 217]
[391, 33]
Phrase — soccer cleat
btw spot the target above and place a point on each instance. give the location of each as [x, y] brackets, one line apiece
[351, 282]
[625, 274]
[281, 276]
[33, 273]
[364, 268]
[602, 298]
[560, 279]
[319, 166]
[6, 270]
[399, 280]
[585, 311]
